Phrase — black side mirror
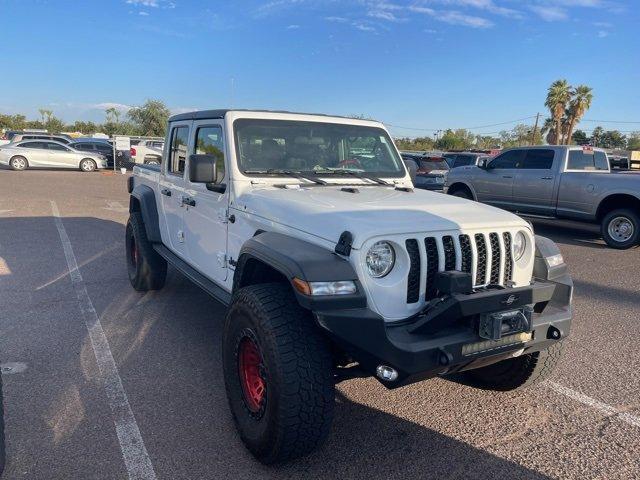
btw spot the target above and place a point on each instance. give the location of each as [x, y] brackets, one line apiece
[202, 168]
[412, 166]
[482, 163]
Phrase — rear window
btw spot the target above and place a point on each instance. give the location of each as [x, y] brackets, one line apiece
[581, 160]
[464, 160]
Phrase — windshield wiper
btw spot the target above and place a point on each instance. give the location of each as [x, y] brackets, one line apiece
[289, 173]
[358, 174]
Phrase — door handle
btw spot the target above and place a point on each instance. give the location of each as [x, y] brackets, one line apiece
[166, 191]
[546, 178]
[507, 176]
[188, 201]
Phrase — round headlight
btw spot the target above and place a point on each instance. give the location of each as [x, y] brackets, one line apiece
[380, 259]
[519, 245]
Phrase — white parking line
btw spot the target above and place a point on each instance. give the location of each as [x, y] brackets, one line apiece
[134, 452]
[595, 404]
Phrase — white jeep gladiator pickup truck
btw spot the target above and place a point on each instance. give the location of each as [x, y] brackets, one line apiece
[332, 266]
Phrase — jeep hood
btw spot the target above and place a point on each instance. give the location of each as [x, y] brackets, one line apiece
[328, 211]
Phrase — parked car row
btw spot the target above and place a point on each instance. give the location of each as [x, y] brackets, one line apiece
[48, 153]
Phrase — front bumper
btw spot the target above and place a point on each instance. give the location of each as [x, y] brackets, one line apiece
[417, 351]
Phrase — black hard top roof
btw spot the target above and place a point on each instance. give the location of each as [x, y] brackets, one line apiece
[220, 113]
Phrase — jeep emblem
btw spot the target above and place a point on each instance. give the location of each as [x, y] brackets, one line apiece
[509, 300]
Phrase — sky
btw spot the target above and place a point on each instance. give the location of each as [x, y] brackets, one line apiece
[418, 65]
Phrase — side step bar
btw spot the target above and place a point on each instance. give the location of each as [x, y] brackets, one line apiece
[192, 274]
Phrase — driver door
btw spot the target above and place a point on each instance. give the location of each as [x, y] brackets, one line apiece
[495, 182]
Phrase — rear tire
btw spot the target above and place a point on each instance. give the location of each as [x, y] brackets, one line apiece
[18, 163]
[278, 373]
[621, 228]
[146, 268]
[88, 165]
[516, 373]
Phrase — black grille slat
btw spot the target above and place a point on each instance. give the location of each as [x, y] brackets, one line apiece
[449, 253]
[465, 250]
[508, 259]
[481, 246]
[413, 280]
[432, 266]
[495, 258]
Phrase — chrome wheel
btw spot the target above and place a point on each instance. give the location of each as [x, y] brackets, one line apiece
[87, 165]
[621, 229]
[18, 163]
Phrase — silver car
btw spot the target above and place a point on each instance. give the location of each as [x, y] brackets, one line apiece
[47, 153]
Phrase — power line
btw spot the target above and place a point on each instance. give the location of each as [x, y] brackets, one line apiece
[606, 121]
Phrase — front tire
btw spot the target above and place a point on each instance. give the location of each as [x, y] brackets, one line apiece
[516, 373]
[18, 163]
[278, 373]
[621, 229]
[146, 268]
[88, 165]
[462, 193]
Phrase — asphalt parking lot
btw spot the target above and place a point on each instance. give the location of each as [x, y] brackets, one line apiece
[584, 423]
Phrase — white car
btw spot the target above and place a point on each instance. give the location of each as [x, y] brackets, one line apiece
[47, 153]
[334, 267]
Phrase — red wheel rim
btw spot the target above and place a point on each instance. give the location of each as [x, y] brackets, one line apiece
[249, 366]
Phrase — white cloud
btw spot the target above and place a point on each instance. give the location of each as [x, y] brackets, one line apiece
[487, 5]
[336, 19]
[144, 14]
[118, 106]
[144, 3]
[293, 27]
[549, 13]
[453, 17]
[603, 34]
[364, 27]
[384, 15]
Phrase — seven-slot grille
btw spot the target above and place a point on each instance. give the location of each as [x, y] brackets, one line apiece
[486, 256]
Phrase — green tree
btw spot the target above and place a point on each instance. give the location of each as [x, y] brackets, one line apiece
[558, 97]
[596, 136]
[633, 141]
[151, 118]
[459, 139]
[419, 143]
[580, 138]
[579, 104]
[613, 139]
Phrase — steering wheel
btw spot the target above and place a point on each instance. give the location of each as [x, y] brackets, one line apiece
[350, 162]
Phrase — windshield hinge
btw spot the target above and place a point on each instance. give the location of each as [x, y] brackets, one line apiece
[343, 247]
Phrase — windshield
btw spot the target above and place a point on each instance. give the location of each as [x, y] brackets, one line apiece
[270, 146]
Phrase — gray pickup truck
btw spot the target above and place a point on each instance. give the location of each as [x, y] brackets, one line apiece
[557, 182]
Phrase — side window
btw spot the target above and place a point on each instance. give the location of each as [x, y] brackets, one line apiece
[579, 160]
[39, 145]
[209, 141]
[104, 148]
[178, 152]
[510, 159]
[83, 146]
[463, 161]
[56, 146]
[539, 159]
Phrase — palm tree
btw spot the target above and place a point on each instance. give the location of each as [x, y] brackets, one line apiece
[548, 131]
[580, 103]
[558, 97]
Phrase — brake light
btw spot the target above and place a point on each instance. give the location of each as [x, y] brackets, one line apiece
[132, 152]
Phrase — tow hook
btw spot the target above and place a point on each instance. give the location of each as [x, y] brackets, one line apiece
[554, 333]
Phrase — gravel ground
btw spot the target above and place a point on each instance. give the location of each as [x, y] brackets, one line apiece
[584, 423]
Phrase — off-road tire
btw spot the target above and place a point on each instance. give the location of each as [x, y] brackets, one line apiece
[146, 268]
[88, 165]
[516, 373]
[295, 414]
[18, 163]
[633, 217]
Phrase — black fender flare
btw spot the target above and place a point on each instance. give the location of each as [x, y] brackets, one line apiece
[295, 258]
[143, 199]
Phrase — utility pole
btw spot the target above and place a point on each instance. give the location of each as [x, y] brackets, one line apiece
[535, 130]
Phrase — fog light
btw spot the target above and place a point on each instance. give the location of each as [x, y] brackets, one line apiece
[386, 373]
[554, 260]
[346, 287]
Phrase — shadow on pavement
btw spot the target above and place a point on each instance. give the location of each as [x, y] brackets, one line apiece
[167, 346]
[570, 233]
